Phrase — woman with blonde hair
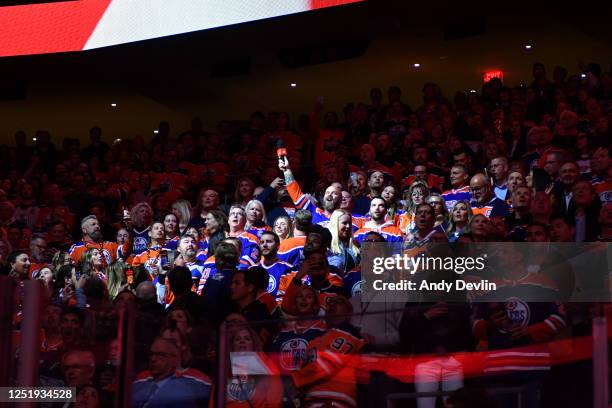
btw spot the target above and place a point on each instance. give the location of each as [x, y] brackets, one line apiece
[417, 194]
[343, 253]
[283, 227]
[183, 212]
[115, 273]
[256, 218]
[92, 264]
[459, 219]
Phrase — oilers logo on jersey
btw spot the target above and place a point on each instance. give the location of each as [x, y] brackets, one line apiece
[107, 257]
[151, 266]
[140, 245]
[241, 388]
[293, 353]
[518, 314]
[271, 284]
[356, 288]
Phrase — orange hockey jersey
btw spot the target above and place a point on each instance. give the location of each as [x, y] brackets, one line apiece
[328, 374]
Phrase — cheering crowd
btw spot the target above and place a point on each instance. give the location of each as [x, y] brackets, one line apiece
[201, 228]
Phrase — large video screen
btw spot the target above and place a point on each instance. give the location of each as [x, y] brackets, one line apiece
[35, 27]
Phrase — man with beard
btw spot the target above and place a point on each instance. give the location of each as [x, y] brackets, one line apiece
[92, 238]
[483, 200]
[250, 243]
[187, 250]
[331, 199]
[39, 255]
[268, 246]
[377, 223]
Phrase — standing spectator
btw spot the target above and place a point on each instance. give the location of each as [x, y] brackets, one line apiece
[92, 264]
[283, 227]
[344, 253]
[92, 238]
[460, 217]
[460, 189]
[182, 210]
[250, 243]
[331, 199]
[484, 201]
[276, 269]
[377, 223]
[208, 200]
[499, 171]
[216, 230]
[141, 217]
[585, 209]
[256, 218]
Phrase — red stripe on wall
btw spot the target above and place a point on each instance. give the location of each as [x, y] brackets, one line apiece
[318, 4]
[51, 27]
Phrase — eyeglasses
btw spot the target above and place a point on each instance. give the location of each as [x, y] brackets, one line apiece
[477, 189]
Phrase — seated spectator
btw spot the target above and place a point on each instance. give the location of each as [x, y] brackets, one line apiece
[245, 386]
[164, 385]
[79, 367]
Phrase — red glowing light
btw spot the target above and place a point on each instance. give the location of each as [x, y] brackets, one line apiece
[489, 75]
